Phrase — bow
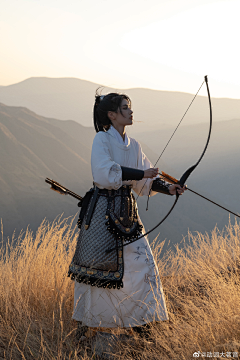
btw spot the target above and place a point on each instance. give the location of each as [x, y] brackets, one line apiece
[188, 172]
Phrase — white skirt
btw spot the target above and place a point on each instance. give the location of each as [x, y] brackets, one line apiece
[141, 300]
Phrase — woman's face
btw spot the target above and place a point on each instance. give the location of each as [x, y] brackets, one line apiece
[122, 119]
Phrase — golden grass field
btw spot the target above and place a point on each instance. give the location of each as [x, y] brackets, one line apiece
[202, 293]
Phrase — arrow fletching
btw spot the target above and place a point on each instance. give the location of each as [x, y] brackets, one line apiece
[56, 187]
[169, 178]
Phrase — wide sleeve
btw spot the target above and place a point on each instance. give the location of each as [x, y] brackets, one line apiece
[143, 187]
[107, 174]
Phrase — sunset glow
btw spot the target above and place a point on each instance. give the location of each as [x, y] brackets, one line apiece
[166, 45]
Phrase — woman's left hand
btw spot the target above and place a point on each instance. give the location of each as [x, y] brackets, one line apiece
[175, 187]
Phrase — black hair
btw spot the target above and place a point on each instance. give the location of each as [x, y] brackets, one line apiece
[103, 104]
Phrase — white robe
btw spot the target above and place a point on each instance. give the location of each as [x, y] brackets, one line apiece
[141, 300]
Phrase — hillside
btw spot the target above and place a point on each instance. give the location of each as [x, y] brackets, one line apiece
[33, 147]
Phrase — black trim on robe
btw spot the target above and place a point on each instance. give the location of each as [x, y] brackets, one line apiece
[131, 174]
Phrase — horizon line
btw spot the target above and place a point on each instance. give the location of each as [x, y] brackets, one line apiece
[106, 86]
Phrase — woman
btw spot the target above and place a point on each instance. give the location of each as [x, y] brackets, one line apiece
[116, 286]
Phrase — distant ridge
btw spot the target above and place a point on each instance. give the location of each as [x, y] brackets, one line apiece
[71, 98]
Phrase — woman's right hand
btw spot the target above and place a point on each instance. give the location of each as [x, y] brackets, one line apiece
[151, 173]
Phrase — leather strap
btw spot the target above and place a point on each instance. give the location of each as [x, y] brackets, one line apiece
[91, 208]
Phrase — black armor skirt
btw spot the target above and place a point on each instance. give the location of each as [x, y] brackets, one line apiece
[108, 219]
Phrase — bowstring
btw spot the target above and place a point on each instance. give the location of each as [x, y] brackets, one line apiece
[173, 134]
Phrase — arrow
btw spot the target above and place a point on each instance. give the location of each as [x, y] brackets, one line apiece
[172, 180]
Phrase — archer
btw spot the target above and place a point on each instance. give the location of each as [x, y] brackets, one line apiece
[117, 287]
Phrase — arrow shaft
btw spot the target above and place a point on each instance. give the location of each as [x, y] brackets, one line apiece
[172, 180]
[213, 202]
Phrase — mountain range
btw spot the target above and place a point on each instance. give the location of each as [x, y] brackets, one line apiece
[33, 147]
[72, 99]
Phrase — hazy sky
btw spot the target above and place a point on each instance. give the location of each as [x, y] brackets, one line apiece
[160, 44]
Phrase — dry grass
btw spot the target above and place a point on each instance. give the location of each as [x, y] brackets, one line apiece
[202, 293]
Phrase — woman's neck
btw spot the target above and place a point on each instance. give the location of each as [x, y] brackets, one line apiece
[121, 130]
